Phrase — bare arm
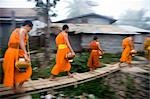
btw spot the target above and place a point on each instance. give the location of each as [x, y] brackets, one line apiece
[145, 44]
[99, 47]
[22, 44]
[22, 36]
[68, 43]
[132, 44]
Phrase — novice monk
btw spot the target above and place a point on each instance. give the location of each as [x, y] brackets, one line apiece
[128, 46]
[17, 48]
[63, 48]
[147, 48]
[96, 51]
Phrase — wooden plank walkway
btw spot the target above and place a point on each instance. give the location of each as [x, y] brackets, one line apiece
[42, 85]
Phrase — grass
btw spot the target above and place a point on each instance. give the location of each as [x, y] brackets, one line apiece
[130, 87]
[80, 61]
[41, 72]
[78, 65]
[95, 87]
[36, 96]
[109, 58]
[141, 53]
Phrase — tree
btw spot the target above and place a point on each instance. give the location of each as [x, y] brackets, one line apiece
[44, 9]
[135, 18]
[79, 7]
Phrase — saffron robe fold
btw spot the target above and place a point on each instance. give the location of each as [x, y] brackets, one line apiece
[62, 64]
[93, 61]
[11, 75]
[147, 47]
[127, 46]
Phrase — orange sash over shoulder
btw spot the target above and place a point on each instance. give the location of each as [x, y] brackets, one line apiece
[127, 46]
[11, 75]
[62, 64]
[147, 47]
[93, 61]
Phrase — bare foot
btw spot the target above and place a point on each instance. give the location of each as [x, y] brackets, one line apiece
[52, 78]
[130, 65]
[91, 70]
[120, 64]
[19, 90]
[70, 75]
[20, 84]
[14, 88]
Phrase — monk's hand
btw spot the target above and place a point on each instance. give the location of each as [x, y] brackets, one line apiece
[73, 53]
[102, 52]
[26, 57]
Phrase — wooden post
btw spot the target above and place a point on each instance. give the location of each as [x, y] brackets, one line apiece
[13, 22]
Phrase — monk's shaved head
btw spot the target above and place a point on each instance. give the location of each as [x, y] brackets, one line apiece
[65, 27]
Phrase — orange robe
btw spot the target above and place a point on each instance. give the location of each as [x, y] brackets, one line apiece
[147, 47]
[62, 64]
[127, 46]
[93, 61]
[11, 75]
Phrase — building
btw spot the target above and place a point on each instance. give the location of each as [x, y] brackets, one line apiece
[91, 18]
[11, 18]
[110, 36]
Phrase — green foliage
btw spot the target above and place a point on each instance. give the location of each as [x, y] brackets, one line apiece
[35, 63]
[35, 96]
[45, 7]
[141, 53]
[110, 58]
[41, 72]
[130, 87]
[80, 63]
[96, 87]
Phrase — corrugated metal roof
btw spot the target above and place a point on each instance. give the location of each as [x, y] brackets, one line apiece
[19, 12]
[94, 28]
[86, 15]
[16, 19]
[132, 28]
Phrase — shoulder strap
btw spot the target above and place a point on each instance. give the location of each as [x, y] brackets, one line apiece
[64, 37]
[28, 48]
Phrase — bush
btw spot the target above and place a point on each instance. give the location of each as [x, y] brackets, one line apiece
[96, 87]
[80, 63]
[41, 72]
[110, 58]
[141, 53]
